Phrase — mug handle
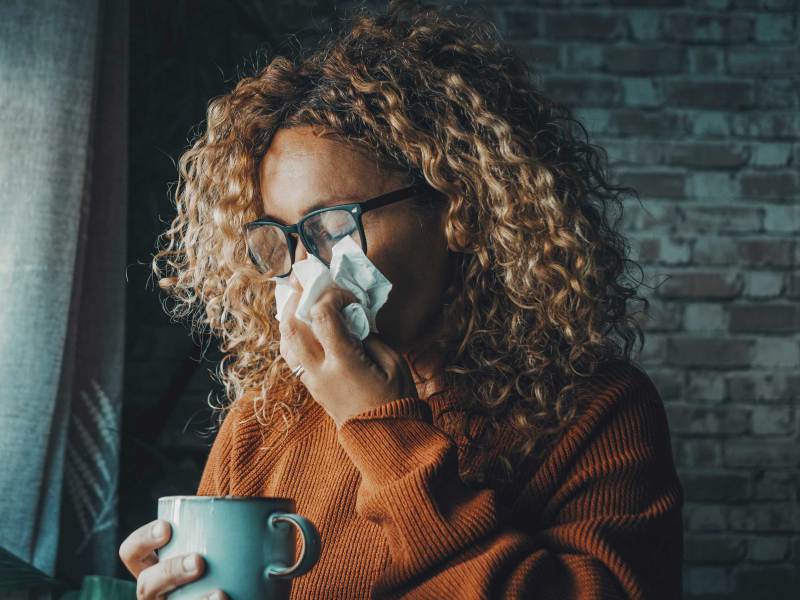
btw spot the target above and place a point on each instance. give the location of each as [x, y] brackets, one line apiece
[309, 555]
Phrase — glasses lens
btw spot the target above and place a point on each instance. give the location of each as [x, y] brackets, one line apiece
[268, 250]
[325, 229]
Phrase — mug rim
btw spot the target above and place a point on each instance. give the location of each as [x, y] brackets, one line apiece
[246, 498]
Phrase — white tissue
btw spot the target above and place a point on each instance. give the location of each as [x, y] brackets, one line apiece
[350, 269]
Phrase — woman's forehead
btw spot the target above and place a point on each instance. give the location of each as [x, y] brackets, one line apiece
[295, 156]
[301, 169]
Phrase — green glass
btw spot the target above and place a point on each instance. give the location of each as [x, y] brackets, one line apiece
[271, 245]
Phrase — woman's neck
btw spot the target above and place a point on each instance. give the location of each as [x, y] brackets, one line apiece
[425, 368]
[425, 358]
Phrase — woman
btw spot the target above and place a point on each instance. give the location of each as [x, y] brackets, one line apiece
[493, 440]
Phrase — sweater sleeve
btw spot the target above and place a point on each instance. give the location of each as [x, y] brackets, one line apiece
[601, 518]
[215, 480]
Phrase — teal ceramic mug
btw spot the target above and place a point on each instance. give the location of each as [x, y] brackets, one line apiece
[247, 543]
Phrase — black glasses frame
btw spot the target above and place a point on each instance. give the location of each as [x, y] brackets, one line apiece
[355, 208]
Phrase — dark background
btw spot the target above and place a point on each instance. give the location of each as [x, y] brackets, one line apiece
[697, 105]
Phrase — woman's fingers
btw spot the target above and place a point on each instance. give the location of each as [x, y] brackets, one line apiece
[327, 321]
[297, 345]
[137, 550]
[215, 595]
[154, 578]
[156, 581]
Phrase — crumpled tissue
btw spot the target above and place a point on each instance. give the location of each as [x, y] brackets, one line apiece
[350, 269]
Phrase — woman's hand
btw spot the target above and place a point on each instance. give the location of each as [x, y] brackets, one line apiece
[342, 375]
[155, 579]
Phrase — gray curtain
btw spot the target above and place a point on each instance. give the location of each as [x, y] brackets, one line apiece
[63, 179]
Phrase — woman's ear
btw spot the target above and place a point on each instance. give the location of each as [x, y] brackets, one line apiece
[460, 244]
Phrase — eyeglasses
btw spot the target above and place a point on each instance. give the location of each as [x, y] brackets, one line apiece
[271, 247]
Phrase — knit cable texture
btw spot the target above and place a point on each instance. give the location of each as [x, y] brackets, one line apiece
[600, 518]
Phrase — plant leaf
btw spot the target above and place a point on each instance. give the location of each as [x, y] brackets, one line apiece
[16, 574]
[100, 587]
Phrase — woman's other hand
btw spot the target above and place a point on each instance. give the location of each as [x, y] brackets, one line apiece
[154, 578]
[343, 375]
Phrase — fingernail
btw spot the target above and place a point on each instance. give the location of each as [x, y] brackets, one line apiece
[189, 563]
[158, 530]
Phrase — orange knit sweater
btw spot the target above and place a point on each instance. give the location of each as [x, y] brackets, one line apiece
[598, 518]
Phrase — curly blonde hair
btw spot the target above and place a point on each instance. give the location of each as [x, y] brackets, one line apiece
[540, 297]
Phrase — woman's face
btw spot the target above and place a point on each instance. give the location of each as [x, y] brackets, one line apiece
[301, 169]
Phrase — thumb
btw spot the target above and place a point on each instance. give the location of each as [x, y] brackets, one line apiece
[382, 354]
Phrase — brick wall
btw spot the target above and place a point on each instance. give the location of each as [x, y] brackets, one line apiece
[697, 105]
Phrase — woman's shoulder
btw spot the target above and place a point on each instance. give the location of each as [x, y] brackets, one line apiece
[618, 381]
[255, 423]
[252, 435]
[619, 406]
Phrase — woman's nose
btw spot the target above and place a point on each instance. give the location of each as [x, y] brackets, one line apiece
[295, 282]
[300, 252]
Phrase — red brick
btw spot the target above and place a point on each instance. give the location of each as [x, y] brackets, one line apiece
[669, 383]
[655, 184]
[638, 152]
[714, 548]
[584, 91]
[770, 186]
[764, 318]
[721, 94]
[703, 517]
[697, 452]
[776, 485]
[704, 59]
[660, 316]
[647, 2]
[707, 154]
[522, 24]
[766, 252]
[647, 123]
[646, 60]
[776, 5]
[647, 249]
[716, 486]
[703, 285]
[723, 353]
[540, 56]
[575, 25]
